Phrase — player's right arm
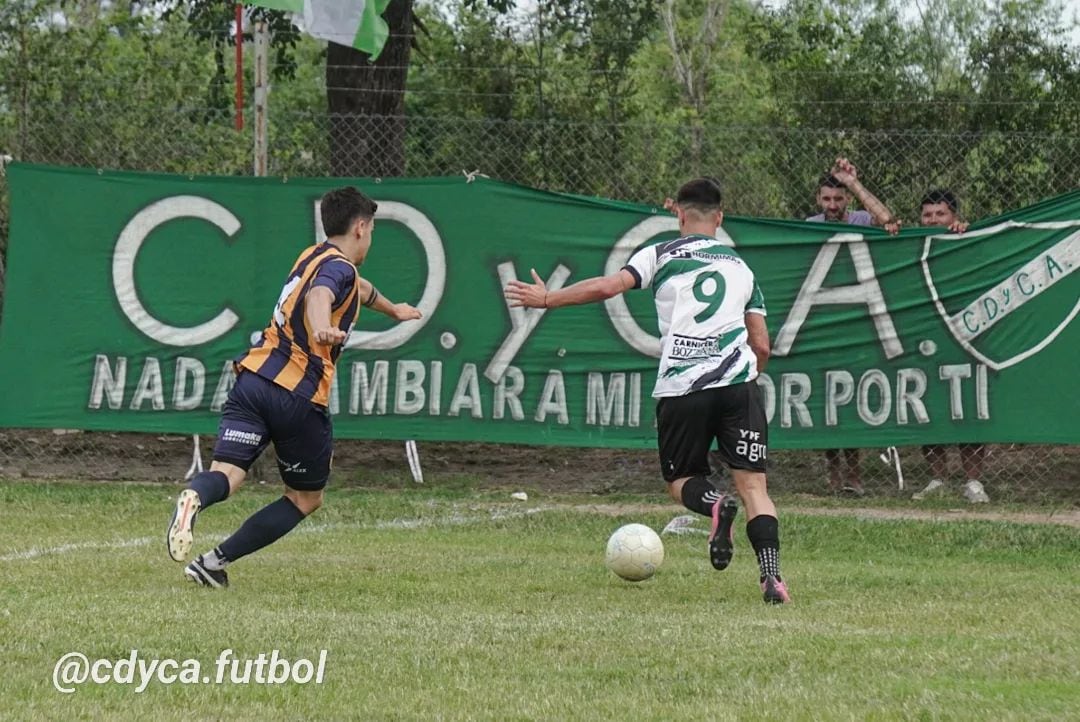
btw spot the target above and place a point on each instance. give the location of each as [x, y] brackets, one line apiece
[317, 309]
[757, 337]
[598, 288]
[757, 332]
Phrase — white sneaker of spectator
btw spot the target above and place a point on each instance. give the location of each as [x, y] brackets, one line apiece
[934, 487]
[975, 493]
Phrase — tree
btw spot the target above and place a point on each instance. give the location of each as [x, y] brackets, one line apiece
[366, 101]
[692, 61]
[596, 40]
[211, 23]
[895, 95]
[542, 97]
[1027, 79]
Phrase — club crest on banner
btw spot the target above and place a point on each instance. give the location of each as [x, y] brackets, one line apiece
[1006, 304]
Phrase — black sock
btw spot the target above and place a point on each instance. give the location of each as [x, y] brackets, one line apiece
[764, 534]
[698, 494]
[262, 528]
[211, 486]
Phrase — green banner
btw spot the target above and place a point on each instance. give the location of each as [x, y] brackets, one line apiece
[129, 294]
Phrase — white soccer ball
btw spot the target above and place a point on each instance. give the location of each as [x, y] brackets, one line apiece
[634, 552]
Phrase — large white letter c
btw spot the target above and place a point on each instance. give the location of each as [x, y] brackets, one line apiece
[123, 268]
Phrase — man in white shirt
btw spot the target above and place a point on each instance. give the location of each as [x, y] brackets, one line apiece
[715, 343]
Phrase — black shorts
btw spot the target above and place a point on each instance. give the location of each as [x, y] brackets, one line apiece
[259, 411]
[732, 415]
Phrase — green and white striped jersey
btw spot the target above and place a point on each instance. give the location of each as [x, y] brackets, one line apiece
[702, 290]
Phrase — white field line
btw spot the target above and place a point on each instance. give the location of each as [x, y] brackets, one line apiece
[454, 519]
[35, 552]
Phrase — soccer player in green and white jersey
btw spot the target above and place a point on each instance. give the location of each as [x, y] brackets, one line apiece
[715, 342]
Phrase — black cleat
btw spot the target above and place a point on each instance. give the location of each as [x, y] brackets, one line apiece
[721, 540]
[213, 578]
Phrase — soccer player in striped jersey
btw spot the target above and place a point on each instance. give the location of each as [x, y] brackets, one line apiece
[282, 390]
[715, 342]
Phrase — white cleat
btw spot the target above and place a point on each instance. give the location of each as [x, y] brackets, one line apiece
[936, 486]
[975, 493]
[180, 536]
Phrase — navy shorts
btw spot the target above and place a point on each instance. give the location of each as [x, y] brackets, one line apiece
[259, 411]
[732, 416]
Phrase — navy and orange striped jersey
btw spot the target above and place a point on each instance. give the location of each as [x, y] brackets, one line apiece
[286, 353]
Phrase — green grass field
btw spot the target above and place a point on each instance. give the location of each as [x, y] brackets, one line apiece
[451, 605]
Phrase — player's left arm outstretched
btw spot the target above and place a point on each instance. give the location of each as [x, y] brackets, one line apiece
[319, 306]
[598, 288]
[370, 297]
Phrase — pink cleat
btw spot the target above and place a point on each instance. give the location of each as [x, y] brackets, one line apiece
[775, 591]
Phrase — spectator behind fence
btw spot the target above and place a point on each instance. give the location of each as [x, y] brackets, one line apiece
[834, 193]
[939, 208]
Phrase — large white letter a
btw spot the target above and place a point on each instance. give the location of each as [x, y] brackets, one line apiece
[867, 291]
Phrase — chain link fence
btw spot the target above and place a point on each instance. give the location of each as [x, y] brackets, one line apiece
[1012, 472]
[765, 172]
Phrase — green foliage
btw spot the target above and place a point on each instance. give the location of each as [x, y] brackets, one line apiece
[546, 95]
[96, 93]
[212, 24]
[682, 138]
[858, 67]
[585, 96]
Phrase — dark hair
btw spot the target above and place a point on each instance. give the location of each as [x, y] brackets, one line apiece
[701, 194]
[940, 195]
[829, 181]
[341, 207]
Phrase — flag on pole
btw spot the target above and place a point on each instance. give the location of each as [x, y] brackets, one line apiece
[354, 23]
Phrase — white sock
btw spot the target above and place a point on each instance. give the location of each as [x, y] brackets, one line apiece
[213, 562]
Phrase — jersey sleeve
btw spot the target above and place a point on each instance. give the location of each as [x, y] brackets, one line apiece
[339, 276]
[642, 266]
[756, 304]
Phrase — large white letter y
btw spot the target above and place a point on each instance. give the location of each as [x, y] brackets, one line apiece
[522, 321]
